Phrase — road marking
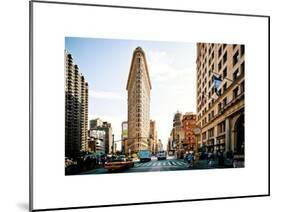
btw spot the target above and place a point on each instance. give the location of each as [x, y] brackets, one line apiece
[160, 163]
[178, 164]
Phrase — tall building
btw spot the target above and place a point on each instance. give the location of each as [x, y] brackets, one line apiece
[188, 125]
[97, 140]
[170, 144]
[159, 145]
[153, 140]
[99, 125]
[76, 109]
[220, 107]
[84, 114]
[124, 137]
[138, 87]
[178, 134]
[175, 145]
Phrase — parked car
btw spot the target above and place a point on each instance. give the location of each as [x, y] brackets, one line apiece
[118, 163]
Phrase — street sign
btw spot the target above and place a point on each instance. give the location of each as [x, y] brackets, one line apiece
[197, 130]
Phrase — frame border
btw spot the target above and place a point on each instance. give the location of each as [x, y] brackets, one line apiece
[31, 185]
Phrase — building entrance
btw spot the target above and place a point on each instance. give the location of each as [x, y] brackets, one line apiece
[240, 135]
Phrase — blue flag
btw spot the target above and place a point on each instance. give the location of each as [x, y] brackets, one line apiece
[217, 83]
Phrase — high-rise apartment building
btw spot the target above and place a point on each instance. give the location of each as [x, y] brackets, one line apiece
[138, 87]
[76, 109]
[220, 107]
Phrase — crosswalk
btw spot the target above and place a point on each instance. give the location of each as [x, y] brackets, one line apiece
[160, 164]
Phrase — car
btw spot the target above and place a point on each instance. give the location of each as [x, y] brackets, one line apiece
[118, 163]
[161, 155]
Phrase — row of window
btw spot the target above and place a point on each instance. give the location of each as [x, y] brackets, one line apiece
[235, 75]
[210, 132]
[239, 53]
[237, 91]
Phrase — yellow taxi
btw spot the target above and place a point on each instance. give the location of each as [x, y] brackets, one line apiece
[118, 163]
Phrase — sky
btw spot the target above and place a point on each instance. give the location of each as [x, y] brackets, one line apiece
[105, 63]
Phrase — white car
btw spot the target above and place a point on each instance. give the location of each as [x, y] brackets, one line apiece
[161, 155]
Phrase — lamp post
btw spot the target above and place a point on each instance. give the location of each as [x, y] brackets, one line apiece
[112, 148]
[197, 132]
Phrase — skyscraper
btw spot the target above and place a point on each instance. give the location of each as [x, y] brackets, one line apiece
[138, 87]
[76, 109]
[220, 105]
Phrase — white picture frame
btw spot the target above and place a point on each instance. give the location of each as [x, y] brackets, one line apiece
[47, 33]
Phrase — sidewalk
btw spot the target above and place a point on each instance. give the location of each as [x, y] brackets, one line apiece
[203, 164]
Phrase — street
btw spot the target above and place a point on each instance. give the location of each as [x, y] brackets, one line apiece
[170, 164]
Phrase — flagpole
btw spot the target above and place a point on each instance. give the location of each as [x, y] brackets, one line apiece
[226, 78]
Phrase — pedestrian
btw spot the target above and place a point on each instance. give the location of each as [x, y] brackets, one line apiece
[221, 159]
[209, 158]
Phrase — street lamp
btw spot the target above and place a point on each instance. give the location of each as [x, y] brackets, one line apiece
[112, 148]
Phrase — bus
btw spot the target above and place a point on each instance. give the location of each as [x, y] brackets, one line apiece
[144, 155]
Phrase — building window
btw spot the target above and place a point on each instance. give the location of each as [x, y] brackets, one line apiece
[224, 86]
[211, 133]
[204, 135]
[219, 107]
[235, 75]
[221, 127]
[219, 67]
[225, 101]
[224, 57]
[219, 52]
[242, 50]
[235, 92]
[224, 74]
[242, 67]
[235, 58]
[242, 86]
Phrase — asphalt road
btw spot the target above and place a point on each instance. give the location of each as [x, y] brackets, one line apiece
[153, 165]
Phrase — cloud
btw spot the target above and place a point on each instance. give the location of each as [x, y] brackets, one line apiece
[164, 67]
[108, 95]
